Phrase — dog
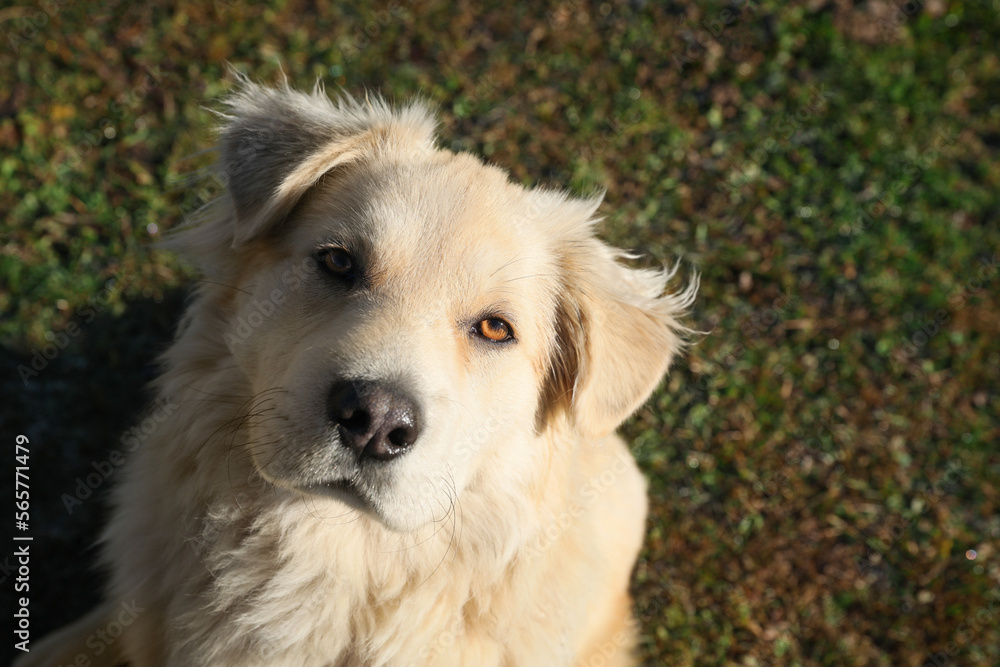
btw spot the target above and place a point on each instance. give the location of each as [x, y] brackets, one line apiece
[391, 410]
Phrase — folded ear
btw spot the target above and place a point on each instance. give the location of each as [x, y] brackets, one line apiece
[616, 334]
[276, 143]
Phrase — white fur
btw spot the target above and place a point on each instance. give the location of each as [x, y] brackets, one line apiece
[506, 535]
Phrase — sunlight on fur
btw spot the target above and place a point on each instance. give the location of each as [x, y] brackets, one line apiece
[396, 394]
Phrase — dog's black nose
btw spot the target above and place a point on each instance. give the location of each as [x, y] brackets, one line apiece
[373, 420]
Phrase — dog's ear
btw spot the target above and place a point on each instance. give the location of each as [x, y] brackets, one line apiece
[276, 143]
[616, 333]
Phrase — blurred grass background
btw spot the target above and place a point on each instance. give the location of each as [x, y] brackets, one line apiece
[824, 467]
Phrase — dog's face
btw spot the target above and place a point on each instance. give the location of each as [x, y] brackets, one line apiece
[408, 319]
[418, 336]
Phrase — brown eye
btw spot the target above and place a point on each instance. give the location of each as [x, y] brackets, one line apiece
[337, 261]
[494, 329]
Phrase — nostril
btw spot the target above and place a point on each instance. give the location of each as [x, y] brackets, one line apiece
[402, 437]
[355, 420]
[348, 411]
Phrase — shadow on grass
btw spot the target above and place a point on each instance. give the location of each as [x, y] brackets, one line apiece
[74, 412]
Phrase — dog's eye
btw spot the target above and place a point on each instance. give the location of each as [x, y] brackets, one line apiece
[494, 329]
[337, 261]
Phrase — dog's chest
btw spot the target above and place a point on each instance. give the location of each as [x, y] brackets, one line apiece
[452, 619]
[429, 603]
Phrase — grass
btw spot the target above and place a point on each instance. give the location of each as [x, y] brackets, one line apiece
[824, 462]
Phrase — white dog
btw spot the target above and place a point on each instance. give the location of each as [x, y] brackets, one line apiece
[394, 402]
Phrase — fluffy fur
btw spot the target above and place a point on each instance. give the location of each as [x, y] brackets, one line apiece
[245, 532]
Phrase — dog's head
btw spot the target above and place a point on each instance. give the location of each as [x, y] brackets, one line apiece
[409, 319]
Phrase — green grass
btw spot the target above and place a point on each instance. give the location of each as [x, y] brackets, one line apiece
[822, 461]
